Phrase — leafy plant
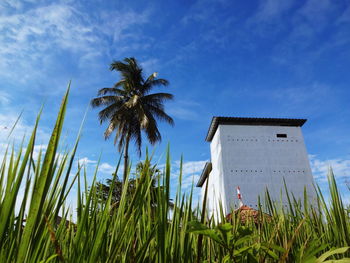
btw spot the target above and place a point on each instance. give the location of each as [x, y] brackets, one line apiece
[238, 244]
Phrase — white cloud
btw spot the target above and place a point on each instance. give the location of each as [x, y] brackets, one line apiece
[58, 24]
[40, 148]
[29, 39]
[16, 4]
[4, 98]
[86, 161]
[21, 129]
[21, 132]
[192, 167]
[340, 167]
[106, 168]
[191, 171]
[184, 110]
[103, 168]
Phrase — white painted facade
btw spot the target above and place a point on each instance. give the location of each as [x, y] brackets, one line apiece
[254, 158]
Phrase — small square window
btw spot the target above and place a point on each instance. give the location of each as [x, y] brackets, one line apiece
[281, 135]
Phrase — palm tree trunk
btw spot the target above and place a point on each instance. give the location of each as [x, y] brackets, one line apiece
[126, 158]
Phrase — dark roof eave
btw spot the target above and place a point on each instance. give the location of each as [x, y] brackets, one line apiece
[204, 175]
[216, 121]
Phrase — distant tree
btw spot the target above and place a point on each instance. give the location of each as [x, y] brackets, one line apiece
[130, 107]
[104, 189]
[146, 167]
[142, 168]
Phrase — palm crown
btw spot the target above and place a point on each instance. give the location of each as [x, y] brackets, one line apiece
[130, 107]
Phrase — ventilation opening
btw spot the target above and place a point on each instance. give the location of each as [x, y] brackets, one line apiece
[281, 135]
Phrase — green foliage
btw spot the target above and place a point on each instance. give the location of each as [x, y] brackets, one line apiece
[144, 227]
[142, 169]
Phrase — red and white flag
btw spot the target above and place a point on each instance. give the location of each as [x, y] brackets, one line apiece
[239, 196]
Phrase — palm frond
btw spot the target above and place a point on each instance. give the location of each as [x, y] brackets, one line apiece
[161, 115]
[151, 83]
[151, 130]
[105, 91]
[107, 113]
[159, 97]
[137, 137]
[105, 100]
[110, 129]
[159, 82]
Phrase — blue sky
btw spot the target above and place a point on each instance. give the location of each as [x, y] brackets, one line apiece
[228, 58]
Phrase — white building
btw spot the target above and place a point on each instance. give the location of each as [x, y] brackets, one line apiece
[255, 154]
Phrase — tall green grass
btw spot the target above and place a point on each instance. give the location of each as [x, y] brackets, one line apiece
[138, 230]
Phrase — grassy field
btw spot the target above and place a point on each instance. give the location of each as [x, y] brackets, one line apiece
[142, 228]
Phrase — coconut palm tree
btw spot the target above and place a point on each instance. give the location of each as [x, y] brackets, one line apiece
[130, 108]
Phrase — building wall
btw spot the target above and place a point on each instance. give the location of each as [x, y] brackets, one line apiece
[216, 191]
[254, 158]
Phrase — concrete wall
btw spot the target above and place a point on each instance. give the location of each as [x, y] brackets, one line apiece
[216, 190]
[254, 158]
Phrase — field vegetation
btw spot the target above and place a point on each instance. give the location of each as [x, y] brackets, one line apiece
[144, 226]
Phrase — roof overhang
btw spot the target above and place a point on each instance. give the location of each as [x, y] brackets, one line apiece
[205, 173]
[216, 121]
